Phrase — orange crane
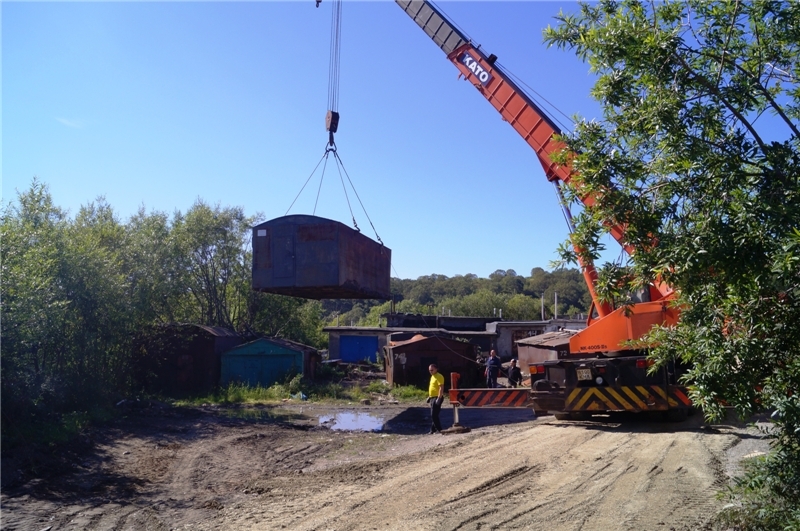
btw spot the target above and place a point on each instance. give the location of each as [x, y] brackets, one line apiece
[600, 373]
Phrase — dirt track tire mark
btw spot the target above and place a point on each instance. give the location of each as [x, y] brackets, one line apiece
[582, 477]
[206, 473]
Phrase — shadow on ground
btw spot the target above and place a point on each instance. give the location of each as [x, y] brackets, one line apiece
[415, 420]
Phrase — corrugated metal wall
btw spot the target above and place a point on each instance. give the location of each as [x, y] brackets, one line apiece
[407, 362]
[318, 258]
[353, 349]
[260, 363]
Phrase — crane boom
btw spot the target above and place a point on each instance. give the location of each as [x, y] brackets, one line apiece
[513, 104]
[540, 132]
[602, 372]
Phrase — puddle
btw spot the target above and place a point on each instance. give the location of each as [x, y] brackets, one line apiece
[352, 421]
[262, 415]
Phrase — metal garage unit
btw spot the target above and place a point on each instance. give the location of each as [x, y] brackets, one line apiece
[266, 361]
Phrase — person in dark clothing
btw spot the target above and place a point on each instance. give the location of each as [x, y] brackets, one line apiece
[514, 374]
[492, 369]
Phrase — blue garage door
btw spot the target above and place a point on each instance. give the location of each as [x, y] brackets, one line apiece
[358, 348]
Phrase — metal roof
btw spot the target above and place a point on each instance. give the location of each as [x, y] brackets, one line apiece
[291, 345]
[549, 339]
[419, 337]
[392, 330]
[218, 331]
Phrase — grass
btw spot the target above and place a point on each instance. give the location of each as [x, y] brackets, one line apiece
[313, 391]
[760, 499]
[49, 430]
[53, 429]
[409, 393]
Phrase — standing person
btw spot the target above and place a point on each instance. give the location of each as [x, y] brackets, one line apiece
[514, 374]
[492, 369]
[435, 396]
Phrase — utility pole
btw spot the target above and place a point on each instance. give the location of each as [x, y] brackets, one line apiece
[542, 306]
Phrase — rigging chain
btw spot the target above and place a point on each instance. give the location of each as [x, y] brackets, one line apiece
[331, 148]
[332, 117]
[332, 121]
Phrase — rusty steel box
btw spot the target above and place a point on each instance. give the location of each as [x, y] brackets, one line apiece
[318, 258]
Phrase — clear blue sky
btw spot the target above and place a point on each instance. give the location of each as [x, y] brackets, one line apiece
[159, 104]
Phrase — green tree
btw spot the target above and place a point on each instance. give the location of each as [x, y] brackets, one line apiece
[100, 326]
[523, 308]
[697, 156]
[482, 303]
[66, 319]
[34, 309]
[215, 242]
[270, 314]
[568, 284]
[462, 285]
[156, 269]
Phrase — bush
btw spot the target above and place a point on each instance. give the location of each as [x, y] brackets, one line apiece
[239, 393]
[327, 391]
[409, 393]
[758, 499]
[328, 371]
[379, 387]
[295, 384]
[356, 393]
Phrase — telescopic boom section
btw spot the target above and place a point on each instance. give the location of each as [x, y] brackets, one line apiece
[535, 127]
[614, 327]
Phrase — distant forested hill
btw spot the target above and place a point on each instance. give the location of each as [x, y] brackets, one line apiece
[515, 296]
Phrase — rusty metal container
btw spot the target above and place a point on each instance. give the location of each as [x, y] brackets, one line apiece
[318, 258]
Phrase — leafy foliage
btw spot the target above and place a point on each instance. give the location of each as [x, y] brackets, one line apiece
[697, 156]
[66, 320]
[83, 295]
[78, 292]
[518, 297]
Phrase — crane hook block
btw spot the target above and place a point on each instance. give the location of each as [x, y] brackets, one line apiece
[332, 121]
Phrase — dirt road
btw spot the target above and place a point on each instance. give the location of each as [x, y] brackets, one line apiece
[277, 468]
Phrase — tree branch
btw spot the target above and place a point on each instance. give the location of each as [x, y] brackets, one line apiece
[714, 90]
[727, 42]
[762, 89]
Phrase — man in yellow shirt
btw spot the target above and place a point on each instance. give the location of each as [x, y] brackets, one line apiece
[435, 397]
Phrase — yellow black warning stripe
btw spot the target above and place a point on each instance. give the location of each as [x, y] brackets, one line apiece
[517, 397]
[627, 398]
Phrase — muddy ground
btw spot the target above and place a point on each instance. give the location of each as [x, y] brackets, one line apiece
[162, 468]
